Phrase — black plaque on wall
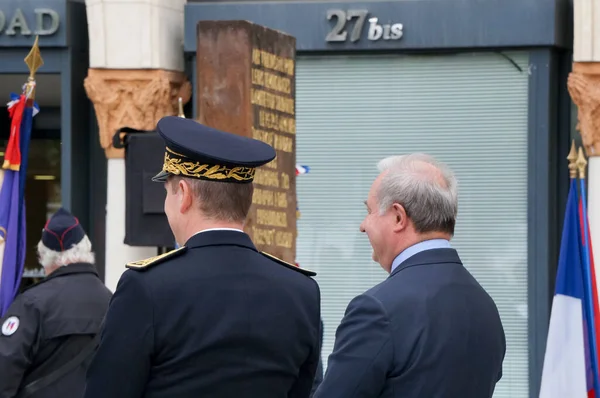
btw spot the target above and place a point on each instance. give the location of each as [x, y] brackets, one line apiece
[145, 220]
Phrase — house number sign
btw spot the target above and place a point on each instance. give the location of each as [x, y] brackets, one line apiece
[353, 21]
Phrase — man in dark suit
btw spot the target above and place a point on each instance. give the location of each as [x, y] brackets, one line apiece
[429, 330]
[215, 318]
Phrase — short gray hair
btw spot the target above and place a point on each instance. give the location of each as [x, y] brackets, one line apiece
[426, 188]
[79, 253]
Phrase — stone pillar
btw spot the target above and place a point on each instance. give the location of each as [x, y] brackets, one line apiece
[584, 87]
[135, 78]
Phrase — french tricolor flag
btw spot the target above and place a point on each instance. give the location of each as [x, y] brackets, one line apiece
[300, 169]
[570, 363]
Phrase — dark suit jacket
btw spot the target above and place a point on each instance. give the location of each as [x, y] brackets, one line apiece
[427, 331]
[217, 319]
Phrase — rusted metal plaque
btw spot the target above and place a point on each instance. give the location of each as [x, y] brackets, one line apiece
[246, 85]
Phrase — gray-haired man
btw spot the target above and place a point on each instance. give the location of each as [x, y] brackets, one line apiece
[48, 333]
[428, 330]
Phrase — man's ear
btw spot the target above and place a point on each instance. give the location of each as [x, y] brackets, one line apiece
[400, 217]
[186, 197]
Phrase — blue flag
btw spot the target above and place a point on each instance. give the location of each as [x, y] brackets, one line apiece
[12, 203]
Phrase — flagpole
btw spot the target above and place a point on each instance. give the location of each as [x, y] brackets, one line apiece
[581, 163]
[34, 61]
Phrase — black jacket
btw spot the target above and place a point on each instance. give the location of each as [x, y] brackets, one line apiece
[47, 325]
[215, 319]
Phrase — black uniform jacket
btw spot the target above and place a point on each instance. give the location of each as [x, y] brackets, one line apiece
[57, 318]
[215, 319]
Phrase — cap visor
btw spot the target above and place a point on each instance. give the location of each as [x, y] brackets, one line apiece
[161, 177]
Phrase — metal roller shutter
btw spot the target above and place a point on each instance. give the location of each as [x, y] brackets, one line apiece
[470, 111]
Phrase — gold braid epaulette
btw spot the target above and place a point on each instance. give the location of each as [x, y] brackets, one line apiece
[152, 261]
[288, 265]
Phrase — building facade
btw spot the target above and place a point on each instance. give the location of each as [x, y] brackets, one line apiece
[482, 85]
[66, 166]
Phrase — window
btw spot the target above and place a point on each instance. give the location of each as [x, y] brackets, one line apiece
[468, 110]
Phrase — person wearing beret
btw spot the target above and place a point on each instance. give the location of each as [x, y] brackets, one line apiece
[216, 317]
[49, 332]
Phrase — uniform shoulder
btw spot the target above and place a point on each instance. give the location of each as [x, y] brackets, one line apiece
[288, 265]
[145, 264]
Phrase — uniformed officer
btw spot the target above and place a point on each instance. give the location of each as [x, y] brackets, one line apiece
[215, 318]
[48, 333]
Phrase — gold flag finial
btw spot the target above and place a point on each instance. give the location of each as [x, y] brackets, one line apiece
[181, 114]
[581, 163]
[34, 61]
[572, 158]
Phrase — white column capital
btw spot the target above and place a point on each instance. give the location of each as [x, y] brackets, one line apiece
[136, 34]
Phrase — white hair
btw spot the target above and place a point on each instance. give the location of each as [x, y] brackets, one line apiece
[426, 188]
[79, 253]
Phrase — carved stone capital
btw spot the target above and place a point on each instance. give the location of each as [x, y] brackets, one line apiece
[584, 87]
[133, 98]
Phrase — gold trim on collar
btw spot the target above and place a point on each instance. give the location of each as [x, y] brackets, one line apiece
[144, 264]
[180, 165]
